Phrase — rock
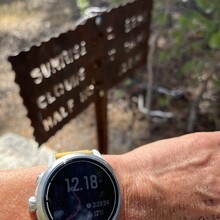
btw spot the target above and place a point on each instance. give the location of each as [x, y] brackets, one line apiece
[17, 152]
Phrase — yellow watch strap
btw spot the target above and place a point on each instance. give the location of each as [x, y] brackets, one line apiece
[59, 155]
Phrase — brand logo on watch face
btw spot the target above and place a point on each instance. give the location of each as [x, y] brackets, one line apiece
[81, 189]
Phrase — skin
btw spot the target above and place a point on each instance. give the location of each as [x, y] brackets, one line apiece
[177, 178]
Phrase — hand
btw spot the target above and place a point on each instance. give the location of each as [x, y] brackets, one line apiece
[177, 178]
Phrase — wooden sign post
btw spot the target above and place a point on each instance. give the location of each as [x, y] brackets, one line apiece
[59, 78]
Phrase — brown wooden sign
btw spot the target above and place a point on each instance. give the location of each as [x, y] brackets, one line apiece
[59, 78]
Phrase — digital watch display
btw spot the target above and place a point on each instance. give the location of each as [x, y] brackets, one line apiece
[78, 187]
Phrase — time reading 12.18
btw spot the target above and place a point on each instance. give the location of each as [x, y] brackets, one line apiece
[76, 184]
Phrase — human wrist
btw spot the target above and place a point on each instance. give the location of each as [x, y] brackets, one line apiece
[137, 198]
[77, 185]
[141, 195]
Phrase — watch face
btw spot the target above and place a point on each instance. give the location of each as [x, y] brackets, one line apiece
[81, 189]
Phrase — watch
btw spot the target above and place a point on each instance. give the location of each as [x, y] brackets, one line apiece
[78, 185]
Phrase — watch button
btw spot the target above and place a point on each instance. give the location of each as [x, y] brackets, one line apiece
[32, 204]
[39, 178]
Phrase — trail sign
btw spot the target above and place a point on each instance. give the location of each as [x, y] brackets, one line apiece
[59, 78]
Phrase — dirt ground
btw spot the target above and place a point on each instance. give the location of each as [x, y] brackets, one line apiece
[23, 23]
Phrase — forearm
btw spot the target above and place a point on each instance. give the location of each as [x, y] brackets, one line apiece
[16, 188]
[171, 179]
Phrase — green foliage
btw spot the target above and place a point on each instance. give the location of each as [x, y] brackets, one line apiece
[164, 101]
[82, 4]
[192, 66]
[163, 56]
[214, 41]
[206, 6]
[192, 32]
[117, 2]
[127, 82]
[216, 83]
[162, 19]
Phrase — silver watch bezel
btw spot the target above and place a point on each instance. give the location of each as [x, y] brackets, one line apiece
[42, 182]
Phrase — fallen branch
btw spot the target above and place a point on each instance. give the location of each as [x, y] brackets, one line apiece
[155, 113]
[152, 46]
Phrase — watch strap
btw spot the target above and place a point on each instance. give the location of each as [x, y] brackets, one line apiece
[59, 155]
[56, 156]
